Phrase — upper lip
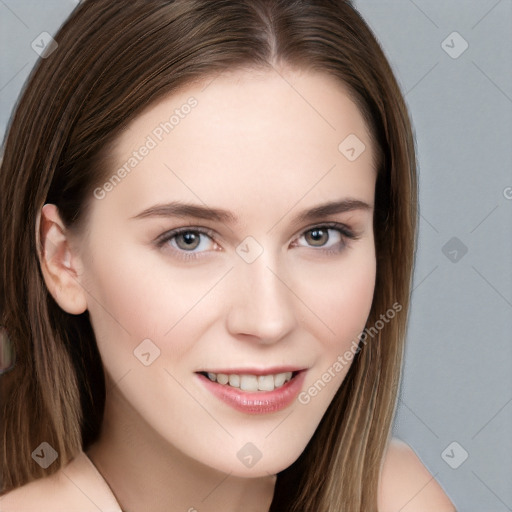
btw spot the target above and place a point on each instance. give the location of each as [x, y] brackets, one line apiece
[254, 371]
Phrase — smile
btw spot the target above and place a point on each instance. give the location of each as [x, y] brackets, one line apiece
[254, 391]
[251, 383]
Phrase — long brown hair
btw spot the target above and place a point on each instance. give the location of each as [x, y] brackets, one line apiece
[114, 59]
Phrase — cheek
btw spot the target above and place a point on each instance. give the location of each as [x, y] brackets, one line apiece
[343, 303]
[133, 297]
[342, 297]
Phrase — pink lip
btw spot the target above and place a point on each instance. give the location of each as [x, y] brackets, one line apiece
[259, 402]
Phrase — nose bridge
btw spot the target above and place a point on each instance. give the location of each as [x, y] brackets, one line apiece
[262, 305]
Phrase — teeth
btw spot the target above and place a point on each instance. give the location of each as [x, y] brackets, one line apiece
[266, 383]
[222, 378]
[234, 381]
[252, 383]
[281, 378]
[249, 383]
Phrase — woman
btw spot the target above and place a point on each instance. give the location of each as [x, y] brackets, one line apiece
[208, 230]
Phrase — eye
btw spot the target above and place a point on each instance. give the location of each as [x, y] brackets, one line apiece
[331, 238]
[187, 242]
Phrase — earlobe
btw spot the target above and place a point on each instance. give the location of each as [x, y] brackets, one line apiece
[60, 266]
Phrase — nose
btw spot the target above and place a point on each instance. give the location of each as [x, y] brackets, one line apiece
[262, 304]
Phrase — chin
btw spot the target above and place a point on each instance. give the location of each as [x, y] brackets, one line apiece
[251, 462]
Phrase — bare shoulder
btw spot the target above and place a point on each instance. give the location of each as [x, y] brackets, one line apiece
[407, 485]
[76, 487]
[49, 493]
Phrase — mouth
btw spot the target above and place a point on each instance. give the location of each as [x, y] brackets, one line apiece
[251, 383]
[254, 391]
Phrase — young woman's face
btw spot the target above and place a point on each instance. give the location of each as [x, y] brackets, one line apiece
[262, 279]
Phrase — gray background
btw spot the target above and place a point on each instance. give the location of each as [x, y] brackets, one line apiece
[457, 384]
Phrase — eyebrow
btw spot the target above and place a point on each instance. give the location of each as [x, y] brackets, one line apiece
[182, 210]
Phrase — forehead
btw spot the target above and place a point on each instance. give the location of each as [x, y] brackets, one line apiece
[275, 135]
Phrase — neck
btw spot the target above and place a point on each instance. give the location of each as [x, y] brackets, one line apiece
[146, 473]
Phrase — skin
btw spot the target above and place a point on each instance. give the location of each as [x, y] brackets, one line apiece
[265, 151]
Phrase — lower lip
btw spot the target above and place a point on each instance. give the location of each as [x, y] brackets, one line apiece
[259, 402]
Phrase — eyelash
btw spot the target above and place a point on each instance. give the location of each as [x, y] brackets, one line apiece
[346, 235]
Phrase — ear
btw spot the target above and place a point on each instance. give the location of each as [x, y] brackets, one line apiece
[60, 266]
